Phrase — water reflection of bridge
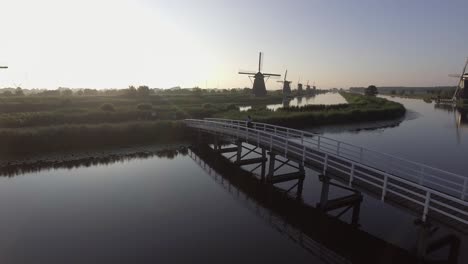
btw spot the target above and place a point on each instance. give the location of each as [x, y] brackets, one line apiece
[325, 236]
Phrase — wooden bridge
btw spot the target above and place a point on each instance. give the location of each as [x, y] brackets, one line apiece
[428, 192]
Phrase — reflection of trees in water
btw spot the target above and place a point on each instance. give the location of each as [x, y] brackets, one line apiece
[26, 167]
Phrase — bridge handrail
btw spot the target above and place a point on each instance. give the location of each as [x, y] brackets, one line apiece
[397, 164]
[361, 150]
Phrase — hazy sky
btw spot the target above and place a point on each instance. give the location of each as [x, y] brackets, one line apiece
[116, 43]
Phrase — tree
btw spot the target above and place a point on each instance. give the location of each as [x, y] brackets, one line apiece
[393, 92]
[19, 91]
[7, 93]
[371, 90]
[67, 92]
[143, 90]
[131, 91]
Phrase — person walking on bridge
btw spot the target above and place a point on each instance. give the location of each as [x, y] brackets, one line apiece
[249, 121]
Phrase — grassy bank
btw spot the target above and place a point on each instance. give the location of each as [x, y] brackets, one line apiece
[33, 111]
[41, 124]
[359, 109]
[32, 124]
[16, 142]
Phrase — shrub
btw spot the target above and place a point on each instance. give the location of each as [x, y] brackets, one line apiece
[371, 90]
[108, 107]
[232, 107]
[144, 107]
[207, 106]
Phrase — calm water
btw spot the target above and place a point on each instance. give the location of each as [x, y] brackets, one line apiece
[178, 207]
[325, 98]
[429, 134]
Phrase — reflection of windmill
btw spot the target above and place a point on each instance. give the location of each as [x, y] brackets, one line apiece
[462, 86]
[286, 85]
[259, 88]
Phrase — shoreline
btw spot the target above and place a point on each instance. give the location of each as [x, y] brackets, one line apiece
[73, 159]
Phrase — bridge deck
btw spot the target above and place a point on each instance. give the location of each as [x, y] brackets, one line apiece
[418, 189]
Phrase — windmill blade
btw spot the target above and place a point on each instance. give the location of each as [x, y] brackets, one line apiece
[3, 67]
[246, 72]
[285, 74]
[454, 75]
[271, 74]
[260, 61]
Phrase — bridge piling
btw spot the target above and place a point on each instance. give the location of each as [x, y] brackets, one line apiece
[263, 168]
[239, 150]
[325, 190]
[271, 168]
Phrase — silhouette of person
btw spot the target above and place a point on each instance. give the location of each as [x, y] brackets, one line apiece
[249, 121]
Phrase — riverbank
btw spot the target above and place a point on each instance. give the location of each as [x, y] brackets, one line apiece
[359, 108]
[78, 158]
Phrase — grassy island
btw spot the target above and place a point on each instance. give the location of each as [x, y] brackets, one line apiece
[359, 108]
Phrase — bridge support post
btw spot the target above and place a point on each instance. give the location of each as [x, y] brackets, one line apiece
[325, 190]
[424, 246]
[216, 143]
[423, 236]
[356, 213]
[239, 150]
[271, 167]
[263, 168]
[300, 183]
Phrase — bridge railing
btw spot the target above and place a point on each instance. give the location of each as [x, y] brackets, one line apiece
[428, 195]
[447, 182]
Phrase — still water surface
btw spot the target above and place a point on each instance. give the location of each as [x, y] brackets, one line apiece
[171, 209]
[430, 134]
[319, 99]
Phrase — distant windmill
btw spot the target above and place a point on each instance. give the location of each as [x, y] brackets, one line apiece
[286, 85]
[259, 88]
[299, 87]
[462, 86]
[308, 90]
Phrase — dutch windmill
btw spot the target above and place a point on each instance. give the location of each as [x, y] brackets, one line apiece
[308, 89]
[286, 85]
[462, 86]
[259, 88]
[299, 87]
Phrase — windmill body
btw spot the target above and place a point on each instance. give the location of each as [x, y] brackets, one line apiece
[299, 89]
[286, 85]
[259, 87]
[464, 90]
[308, 89]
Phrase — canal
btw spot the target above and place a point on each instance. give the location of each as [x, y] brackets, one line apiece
[177, 206]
